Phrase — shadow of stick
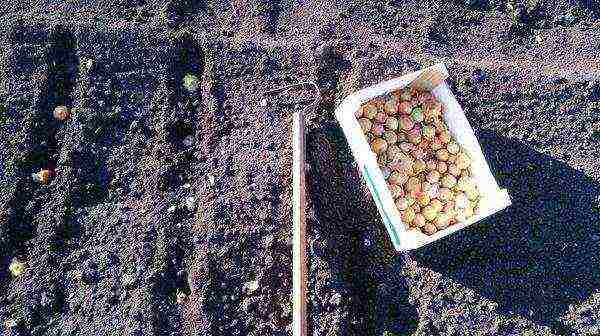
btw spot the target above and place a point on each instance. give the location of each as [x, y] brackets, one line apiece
[349, 247]
[541, 254]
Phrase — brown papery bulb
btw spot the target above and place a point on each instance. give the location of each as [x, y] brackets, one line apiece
[62, 113]
[379, 145]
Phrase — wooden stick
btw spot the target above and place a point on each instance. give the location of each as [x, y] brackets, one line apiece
[299, 229]
[299, 261]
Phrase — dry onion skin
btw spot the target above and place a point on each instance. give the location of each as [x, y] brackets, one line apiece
[427, 171]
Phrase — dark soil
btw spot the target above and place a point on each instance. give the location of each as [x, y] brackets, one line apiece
[137, 216]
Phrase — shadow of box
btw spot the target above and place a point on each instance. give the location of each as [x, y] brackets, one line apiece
[541, 254]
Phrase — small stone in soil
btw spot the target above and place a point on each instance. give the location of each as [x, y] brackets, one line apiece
[181, 296]
[10, 323]
[188, 141]
[335, 299]
[252, 286]
[211, 179]
[190, 203]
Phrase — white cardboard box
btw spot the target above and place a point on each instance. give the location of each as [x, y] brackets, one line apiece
[493, 199]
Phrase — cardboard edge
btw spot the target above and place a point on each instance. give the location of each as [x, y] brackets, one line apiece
[401, 238]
